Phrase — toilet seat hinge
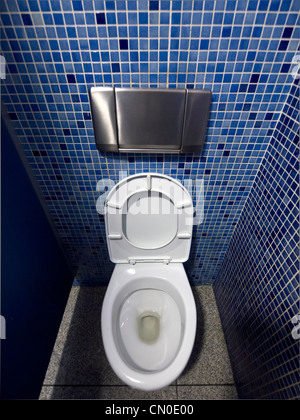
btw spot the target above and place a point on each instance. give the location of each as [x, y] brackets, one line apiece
[133, 261]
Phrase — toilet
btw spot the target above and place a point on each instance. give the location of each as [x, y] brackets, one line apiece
[148, 315]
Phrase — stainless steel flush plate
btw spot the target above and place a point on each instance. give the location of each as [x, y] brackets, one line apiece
[149, 120]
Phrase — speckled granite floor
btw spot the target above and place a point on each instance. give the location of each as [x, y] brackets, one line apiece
[78, 368]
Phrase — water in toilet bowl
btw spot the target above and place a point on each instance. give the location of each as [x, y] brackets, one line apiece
[150, 329]
[148, 326]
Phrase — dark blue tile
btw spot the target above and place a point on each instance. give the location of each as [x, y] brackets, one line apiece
[254, 78]
[100, 18]
[153, 5]
[285, 68]
[175, 18]
[58, 19]
[283, 45]
[115, 67]
[287, 33]
[252, 88]
[204, 44]
[13, 116]
[269, 116]
[26, 19]
[226, 31]
[71, 78]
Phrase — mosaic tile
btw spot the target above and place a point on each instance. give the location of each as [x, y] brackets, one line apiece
[56, 51]
[257, 288]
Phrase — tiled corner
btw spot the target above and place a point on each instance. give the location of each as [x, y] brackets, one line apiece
[78, 368]
[259, 296]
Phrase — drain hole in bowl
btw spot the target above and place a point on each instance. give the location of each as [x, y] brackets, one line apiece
[148, 326]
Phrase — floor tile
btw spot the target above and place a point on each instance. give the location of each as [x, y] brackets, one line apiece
[79, 368]
[209, 362]
[106, 393]
[78, 357]
[208, 392]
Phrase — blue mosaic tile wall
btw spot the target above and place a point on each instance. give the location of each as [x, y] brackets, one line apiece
[56, 50]
[258, 286]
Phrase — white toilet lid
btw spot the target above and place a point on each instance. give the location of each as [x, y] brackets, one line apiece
[159, 354]
[149, 217]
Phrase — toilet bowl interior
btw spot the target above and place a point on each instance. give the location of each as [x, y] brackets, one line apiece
[149, 329]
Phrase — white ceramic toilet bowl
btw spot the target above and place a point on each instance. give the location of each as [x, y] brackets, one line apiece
[148, 323]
